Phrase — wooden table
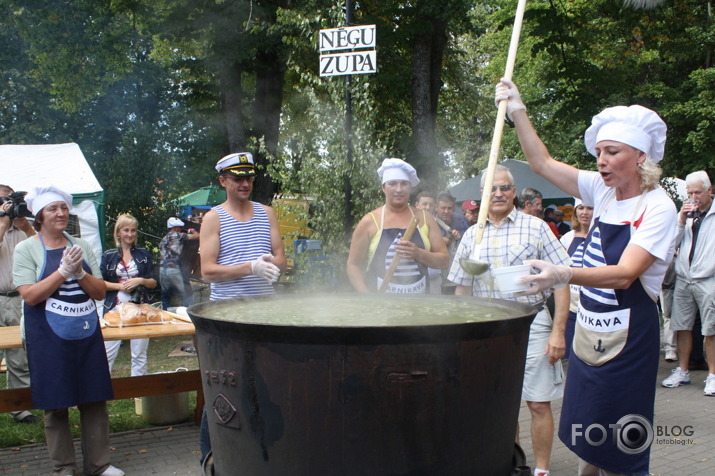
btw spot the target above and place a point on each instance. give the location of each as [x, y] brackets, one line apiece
[124, 387]
[10, 336]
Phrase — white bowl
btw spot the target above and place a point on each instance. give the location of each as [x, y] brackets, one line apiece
[507, 278]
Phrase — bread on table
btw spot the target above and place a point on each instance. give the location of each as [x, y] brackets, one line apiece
[131, 314]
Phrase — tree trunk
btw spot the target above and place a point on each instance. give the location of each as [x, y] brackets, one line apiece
[270, 76]
[427, 55]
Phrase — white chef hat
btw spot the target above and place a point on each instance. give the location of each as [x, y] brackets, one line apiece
[173, 221]
[578, 203]
[39, 197]
[397, 169]
[635, 125]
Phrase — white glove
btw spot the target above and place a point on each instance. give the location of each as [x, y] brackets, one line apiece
[78, 271]
[71, 258]
[264, 268]
[507, 91]
[551, 276]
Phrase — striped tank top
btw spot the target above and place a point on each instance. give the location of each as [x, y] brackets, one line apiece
[240, 242]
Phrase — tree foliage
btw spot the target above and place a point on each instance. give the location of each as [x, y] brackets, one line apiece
[581, 56]
[155, 92]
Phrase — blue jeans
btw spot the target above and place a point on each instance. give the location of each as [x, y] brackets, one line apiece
[172, 282]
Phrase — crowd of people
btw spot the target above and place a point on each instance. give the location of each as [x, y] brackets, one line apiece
[51, 282]
[602, 274]
[595, 286]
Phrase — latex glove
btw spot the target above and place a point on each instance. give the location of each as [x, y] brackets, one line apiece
[68, 263]
[507, 91]
[551, 276]
[264, 268]
[78, 271]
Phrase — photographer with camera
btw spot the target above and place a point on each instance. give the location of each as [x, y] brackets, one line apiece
[128, 272]
[172, 272]
[14, 228]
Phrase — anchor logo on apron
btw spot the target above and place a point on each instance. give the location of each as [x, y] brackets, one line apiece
[71, 320]
[602, 322]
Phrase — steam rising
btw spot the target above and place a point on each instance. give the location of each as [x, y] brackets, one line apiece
[642, 4]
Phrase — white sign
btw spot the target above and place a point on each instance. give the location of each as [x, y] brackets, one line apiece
[357, 62]
[349, 37]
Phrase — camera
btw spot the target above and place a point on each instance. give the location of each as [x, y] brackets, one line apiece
[137, 295]
[18, 208]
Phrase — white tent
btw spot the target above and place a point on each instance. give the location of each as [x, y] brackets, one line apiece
[23, 167]
[470, 189]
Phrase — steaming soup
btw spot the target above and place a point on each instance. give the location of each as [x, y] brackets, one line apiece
[358, 310]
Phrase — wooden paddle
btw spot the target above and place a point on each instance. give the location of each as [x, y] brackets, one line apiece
[396, 259]
[499, 125]
[473, 265]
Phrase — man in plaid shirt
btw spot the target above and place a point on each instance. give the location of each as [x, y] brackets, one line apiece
[511, 237]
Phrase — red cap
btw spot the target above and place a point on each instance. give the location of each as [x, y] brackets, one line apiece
[470, 205]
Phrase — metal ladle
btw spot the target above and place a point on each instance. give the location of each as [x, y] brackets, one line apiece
[473, 265]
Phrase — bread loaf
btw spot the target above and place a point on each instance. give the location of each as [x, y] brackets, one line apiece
[130, 314]
[113, 319]
[152, 314]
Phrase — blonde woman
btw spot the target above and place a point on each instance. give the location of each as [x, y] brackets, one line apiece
[127, 271]
[616, 348]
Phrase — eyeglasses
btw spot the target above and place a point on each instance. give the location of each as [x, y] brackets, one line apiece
[239, 178]
[503, 188]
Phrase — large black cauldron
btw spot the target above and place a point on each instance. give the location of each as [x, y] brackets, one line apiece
[321, 386]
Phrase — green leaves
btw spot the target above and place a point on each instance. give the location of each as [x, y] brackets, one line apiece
[156, 91]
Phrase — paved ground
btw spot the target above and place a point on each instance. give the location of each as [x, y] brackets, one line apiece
[677, 411]
[174, 450]
[161, 451]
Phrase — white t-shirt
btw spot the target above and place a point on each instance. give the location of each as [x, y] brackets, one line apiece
[655, 221]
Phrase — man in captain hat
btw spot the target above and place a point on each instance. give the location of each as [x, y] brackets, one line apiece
[242, 252]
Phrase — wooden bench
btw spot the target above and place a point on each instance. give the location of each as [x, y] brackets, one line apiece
[124, 387]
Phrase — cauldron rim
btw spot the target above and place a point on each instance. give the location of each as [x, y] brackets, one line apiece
[364, 334]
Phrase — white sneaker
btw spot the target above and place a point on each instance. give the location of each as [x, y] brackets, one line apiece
[112, 471]
[710, 386]
[677, 377]
[671, 356]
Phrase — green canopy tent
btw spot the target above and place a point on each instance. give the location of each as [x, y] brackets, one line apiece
[203, 198]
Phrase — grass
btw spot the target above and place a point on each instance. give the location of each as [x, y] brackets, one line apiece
[122, 416]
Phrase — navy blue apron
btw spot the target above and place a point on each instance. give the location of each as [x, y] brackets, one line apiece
[575, 251]
[65, 347]
[611, 375]
[411, 276]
